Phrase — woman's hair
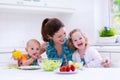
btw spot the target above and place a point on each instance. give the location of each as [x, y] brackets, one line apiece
[49, 27]
[70, 43]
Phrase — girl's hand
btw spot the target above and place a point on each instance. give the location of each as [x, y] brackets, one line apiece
[106, 62]
[86, 65]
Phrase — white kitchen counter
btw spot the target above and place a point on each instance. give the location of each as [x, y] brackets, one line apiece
[86, 74]
[111, 48]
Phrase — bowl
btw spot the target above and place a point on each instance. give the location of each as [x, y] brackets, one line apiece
[50, 64]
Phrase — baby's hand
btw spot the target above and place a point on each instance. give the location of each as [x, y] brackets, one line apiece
[36, 56]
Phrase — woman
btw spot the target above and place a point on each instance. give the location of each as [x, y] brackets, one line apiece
[54, 34]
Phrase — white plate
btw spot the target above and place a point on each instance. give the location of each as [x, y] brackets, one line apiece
[71, 72]
[29, 67]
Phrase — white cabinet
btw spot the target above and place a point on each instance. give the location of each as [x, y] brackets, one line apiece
[8, 1]
[6, 59]
[22, 2]
[57, 6]
[115, 57]
[104, 55]
[113, 52]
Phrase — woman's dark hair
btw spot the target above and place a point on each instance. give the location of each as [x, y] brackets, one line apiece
[49, 27]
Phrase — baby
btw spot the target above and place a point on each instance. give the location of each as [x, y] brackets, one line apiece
[33, 53]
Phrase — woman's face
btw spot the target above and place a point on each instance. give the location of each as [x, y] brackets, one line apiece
[78, 40]
[58, 37]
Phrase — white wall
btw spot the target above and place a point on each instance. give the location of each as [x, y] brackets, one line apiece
[83, 18]
[90, 16]
[17, 28]
[101, 14]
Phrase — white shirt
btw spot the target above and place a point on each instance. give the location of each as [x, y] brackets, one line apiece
[92, 58]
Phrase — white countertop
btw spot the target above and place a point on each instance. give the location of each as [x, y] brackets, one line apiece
[86, 74]
[112, 48]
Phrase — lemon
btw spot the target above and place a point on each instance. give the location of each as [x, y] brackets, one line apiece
[16, 54]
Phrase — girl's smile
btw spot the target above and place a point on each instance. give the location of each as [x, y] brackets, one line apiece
[78, 40]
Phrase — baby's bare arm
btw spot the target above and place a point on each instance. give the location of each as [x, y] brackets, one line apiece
[30, 60]
[27, 62]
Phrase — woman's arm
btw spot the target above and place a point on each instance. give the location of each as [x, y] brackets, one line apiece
[43, 47]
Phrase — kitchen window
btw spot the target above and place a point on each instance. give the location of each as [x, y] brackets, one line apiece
[115, 15]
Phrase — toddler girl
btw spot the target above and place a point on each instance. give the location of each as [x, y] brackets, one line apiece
[83, 53]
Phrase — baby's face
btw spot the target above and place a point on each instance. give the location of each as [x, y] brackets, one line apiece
[33, 49]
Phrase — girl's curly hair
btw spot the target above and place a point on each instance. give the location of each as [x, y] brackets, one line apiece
[70, 43]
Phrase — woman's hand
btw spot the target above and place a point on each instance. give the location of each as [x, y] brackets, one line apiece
[43, 47]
